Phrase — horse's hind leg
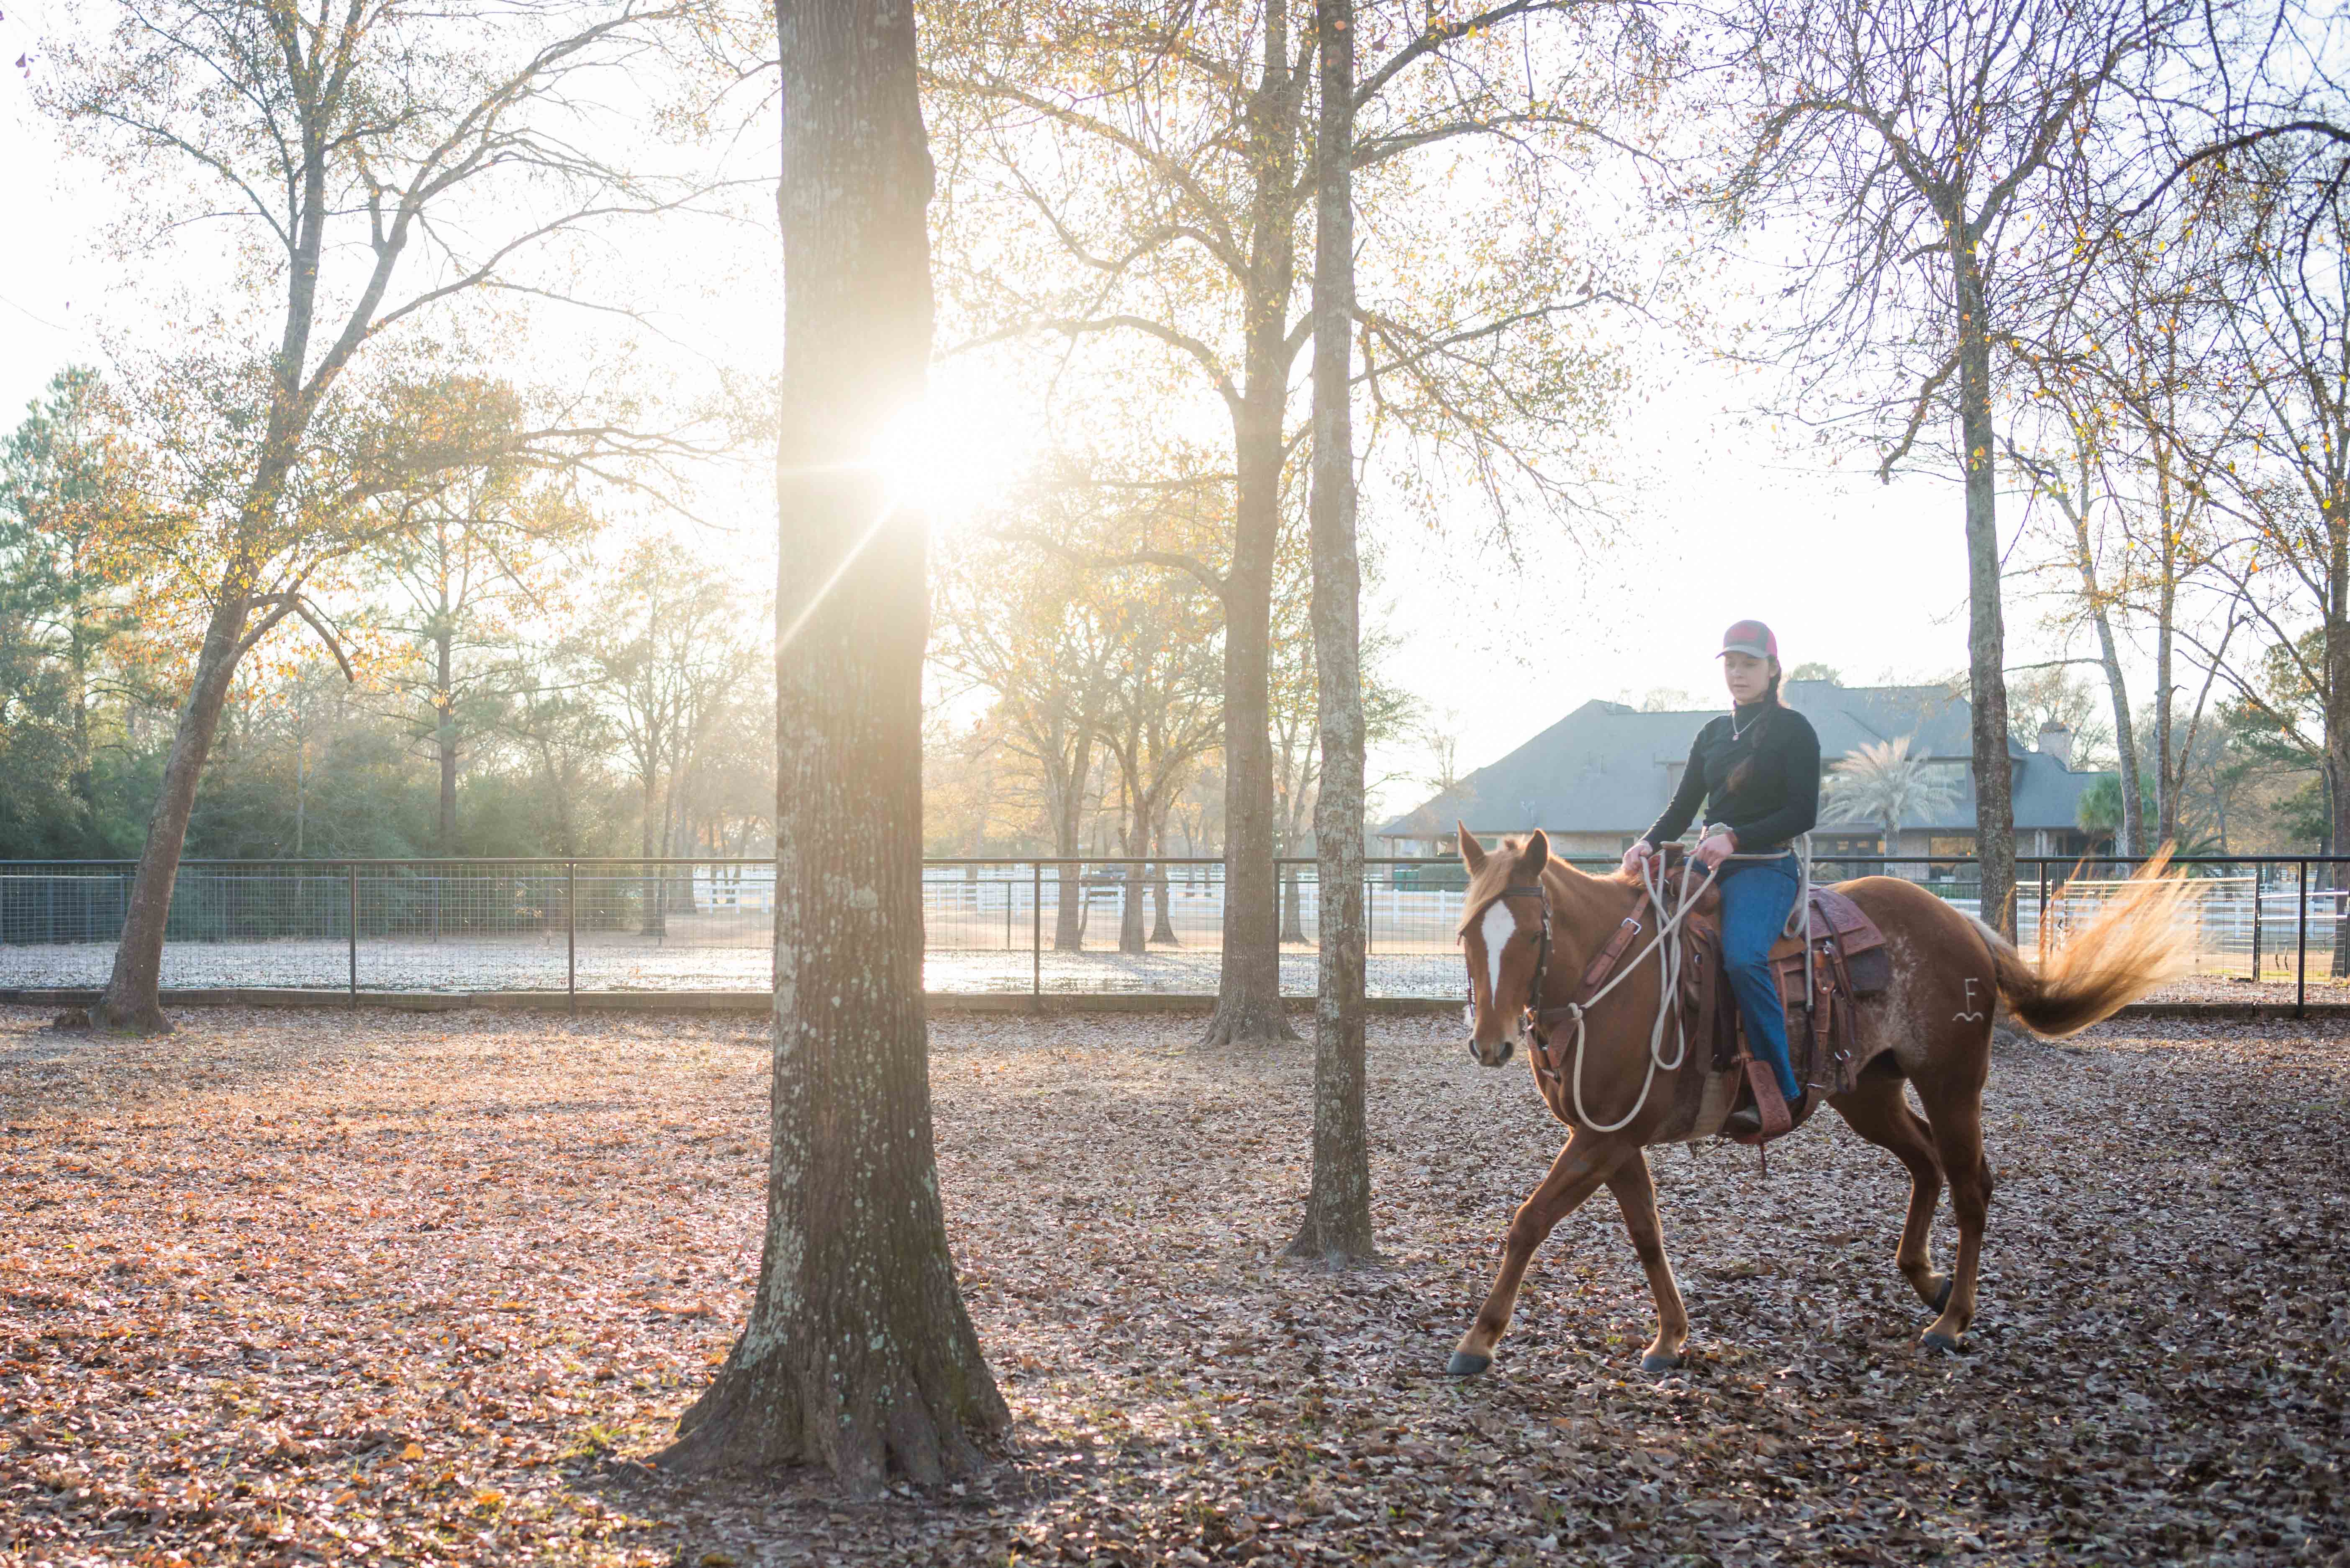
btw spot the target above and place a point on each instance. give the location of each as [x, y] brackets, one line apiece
[1876, 1111]
[1575, 1175]
[1958, 1134]
[1635, 1194]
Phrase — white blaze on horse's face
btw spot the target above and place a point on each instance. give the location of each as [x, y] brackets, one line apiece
[1492, 1033]
[1496, 929]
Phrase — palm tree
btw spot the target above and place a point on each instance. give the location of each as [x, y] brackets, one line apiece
[1882, 783]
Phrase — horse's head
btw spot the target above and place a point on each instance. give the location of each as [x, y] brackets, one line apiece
[1501, 936]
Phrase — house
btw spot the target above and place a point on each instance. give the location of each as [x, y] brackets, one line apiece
[1598, 777]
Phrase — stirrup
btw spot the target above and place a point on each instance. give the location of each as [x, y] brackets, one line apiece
[1746, 1121]
[1766, 1115]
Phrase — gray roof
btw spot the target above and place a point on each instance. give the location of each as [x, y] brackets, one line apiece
[1607, 767]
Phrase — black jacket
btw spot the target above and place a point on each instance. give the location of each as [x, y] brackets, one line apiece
[1780, 794]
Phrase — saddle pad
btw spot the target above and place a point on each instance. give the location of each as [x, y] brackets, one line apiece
[1834, 915]
[1844, 920]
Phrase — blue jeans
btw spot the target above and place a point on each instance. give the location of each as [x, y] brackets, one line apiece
[1757, 896]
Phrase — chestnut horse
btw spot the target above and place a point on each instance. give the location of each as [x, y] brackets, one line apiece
[1933, 1024]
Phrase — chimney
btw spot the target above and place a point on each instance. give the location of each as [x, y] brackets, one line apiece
[2057, 740]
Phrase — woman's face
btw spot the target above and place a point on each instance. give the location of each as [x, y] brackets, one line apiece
[1746, 676]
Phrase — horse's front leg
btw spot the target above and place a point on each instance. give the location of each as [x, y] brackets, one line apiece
[1635, 1194]
[1588, 1160]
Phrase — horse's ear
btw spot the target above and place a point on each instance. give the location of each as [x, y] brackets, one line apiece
[1535, 853]
[1473, 854]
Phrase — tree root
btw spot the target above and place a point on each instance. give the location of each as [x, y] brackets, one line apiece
[140, 1018]
[1313, 1243]
[754, 1421]
[1249, 1024]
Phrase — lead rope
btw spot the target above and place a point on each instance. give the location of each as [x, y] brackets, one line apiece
[1668, 951]
[1799, 918]
[1669, 954]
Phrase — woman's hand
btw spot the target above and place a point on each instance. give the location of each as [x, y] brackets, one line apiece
[1716, 848]
[1639, 852]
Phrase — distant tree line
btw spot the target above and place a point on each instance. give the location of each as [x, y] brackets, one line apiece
[471, 706]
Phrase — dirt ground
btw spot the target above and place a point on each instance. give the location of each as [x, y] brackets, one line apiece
[292, 1287]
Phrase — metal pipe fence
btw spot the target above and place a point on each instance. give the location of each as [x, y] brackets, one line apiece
[1037, 925]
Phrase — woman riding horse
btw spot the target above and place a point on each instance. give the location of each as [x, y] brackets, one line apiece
[1586, 969]
[1757, 769]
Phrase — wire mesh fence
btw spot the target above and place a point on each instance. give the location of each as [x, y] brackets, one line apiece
[991, 925]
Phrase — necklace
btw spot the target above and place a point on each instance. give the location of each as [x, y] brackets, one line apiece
[1737, 729]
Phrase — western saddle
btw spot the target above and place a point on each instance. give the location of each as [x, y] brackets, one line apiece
[1842, 957]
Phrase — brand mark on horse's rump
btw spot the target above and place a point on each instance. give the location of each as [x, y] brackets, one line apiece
[1969, 1015]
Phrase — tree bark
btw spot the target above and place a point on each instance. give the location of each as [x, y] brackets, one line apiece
[78, 644]
[1162, 929]
[1069, 823]
[132, 999]
[2337, 714]
[649, 877]
[444, 701]
[1248, 988]
[1338, 1223]
[2166, 778]
[1135, 833]
[1986, 632]
[2125, 742]
[859, 1354]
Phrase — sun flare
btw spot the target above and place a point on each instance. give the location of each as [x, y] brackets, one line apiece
[954, 453]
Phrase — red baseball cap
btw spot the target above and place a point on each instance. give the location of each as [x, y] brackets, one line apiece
[1750, 637]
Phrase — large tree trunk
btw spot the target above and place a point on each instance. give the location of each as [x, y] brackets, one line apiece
[1338, 1205]
[2132, 831]
[2165, 777]
[1986, 632]
[78, 640]
[859, 1354]
[1137, 836]
[132, 999]
[1162, 927]
[1068, 890]
[650, 875]
[444, 739]
[1248, 988]
[2337, 718]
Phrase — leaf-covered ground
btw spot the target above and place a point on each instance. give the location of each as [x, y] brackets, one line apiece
[301, 1287]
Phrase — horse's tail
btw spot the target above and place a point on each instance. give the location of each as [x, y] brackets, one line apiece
[2132, 945]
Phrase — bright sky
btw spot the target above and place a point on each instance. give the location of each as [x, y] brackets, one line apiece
[1867, 578]
[1733, 520]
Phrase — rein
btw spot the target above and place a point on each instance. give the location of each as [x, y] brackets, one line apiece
[1667, 946]
[1602, 976]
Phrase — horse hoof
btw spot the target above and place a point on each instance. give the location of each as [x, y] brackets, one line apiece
[1467, 1364]
[1936, 1340]
[1942, 1297]
[1653, 1366]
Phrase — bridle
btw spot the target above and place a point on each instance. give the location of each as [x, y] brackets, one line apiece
[1603, 976]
